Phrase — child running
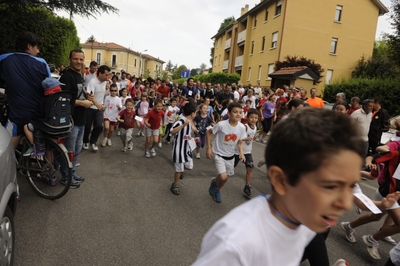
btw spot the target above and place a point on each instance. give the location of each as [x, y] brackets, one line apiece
[181, 150]
[142, 108]
[112, 105]
[124, 96]
[170, 117]
[228, 134]
[251, 130]
[153, 120]
[201, 122]
[312, 175]
[126, 119]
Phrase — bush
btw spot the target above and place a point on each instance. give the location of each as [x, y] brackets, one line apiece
[386, 89]
[214, 78]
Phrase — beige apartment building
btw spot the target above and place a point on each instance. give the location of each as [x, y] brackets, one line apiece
[334, 33]
[118, 57]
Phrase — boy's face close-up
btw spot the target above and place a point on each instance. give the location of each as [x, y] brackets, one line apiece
[320, 197]
[235, 114]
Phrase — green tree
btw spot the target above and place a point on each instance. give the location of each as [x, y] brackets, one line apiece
[194, 72]
[394, 39]
[228, 21]
[59, 35]
[202, 68]
[85, 8]
[169, 66]
[294, 61]
[212, 56]
[91, 39]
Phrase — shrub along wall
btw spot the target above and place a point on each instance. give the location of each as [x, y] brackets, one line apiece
[386, 89]
[215, 78]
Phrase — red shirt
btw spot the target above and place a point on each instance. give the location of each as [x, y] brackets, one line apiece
[129, 119]
[163, 90]
[351, 110]
[154, 118]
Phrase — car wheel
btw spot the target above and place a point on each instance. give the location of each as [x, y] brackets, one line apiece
[7, 237]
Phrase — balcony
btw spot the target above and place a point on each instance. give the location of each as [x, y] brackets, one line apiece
[225, 66]
[228, 43]
[242, 37]
[239, 61]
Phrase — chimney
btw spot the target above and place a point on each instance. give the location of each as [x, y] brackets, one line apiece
[244, 10]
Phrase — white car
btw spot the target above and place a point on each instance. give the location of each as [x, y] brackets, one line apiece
[8, 198]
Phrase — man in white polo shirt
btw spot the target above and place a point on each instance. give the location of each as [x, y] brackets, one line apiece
[363, 117]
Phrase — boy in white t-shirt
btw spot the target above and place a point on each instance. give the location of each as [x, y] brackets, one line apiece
[171, 116]
[312, 171]
[228, 135]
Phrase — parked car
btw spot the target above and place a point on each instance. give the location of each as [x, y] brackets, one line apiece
[8, 197]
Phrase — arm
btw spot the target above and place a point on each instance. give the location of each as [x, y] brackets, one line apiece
[178, 128]
[240, 147]
[208, 144]
[383, 148]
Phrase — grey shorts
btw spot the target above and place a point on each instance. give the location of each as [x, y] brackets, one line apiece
[152, 132]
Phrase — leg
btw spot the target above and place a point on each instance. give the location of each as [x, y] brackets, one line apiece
[110, 132]
[106, 128]
[389, 229]
[97, 126]
[88, 127]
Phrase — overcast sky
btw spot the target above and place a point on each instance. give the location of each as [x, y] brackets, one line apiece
[176, 30]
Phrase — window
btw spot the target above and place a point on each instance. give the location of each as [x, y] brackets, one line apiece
[266, 15]
[156, 67]
[262, 43]
[215, 61]
[329, 74]
[338, 14]
[98, 58]
[270, 69]
[259, 72]
[249, 74]
[255, 21]
[219, 59]
[252, 47]
[278, 9]
[274, 40]
[114, 60]
[134, 63]
[333, 45]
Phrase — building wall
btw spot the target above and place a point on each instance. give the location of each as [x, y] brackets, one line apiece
[305, 28]
[128, 61]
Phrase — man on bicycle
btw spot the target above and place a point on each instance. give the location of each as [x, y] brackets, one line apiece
[22, 74]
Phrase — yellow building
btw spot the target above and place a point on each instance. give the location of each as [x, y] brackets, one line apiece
[118, 57]
[333, 33]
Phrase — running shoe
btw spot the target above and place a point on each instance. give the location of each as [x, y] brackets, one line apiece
[138, 134]
[372, 246]
[389, 240]
[247, 191]
[175, 189]
[79, 179]
[340, 262]
[118, 133]
[217, 196]
[103, 143]
[109, 143]
[85, 146]
[214, 192]
[130, 146]
[28, 152]
[198, 155]
[261, 162]
[124, 149]
[72, 185]
[160, 145]
[147, 154]
[348, 231]
[94, 147]
[153, 152]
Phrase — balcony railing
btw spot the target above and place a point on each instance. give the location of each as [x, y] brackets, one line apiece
[239, 61]
[225, 66]
[228, 43]
[242, 36]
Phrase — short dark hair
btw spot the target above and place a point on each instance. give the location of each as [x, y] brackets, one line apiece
[21, 44]
[103, 69]
[378, 100]
[93, 63]
[157, 101]
[79, 51]
[113, 86]
[300, 145]
[234, 105]
[173, 99]
[366, 102]
[129, 100]
[189, 107]
[252, 111]
[296, 102]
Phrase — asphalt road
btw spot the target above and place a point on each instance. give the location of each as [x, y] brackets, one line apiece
[125, 214]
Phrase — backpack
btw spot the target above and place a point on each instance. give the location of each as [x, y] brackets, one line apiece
[54, 113]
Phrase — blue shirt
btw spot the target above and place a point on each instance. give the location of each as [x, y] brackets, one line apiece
[22, 74]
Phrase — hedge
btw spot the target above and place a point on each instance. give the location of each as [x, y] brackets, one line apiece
[215, 78]
[386, 89]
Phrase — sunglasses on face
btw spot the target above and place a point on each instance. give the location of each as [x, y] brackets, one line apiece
[113, 90]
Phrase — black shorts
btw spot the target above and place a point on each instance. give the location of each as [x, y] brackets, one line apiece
[249, 160]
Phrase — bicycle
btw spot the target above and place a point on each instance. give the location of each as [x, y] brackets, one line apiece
[44, 172]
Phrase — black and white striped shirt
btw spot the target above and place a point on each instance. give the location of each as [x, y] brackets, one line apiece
[181, 151]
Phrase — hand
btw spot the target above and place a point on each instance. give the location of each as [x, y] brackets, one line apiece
[119, 107]
[262, 118]
[209, 153]
[197, 139]
[121, 121]
[148, 125]
[100, 107]
[86, 103]
[390, 199]
[90, 97]
[242, 157]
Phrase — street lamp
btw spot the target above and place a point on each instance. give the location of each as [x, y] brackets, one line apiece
[141, 65]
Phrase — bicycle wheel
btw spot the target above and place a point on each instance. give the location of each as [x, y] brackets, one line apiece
[44, 172]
